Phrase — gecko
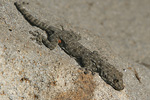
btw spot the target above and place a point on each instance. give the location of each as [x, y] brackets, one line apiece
[69, 42]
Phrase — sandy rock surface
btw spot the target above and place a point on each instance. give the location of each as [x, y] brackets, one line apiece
[118, 30]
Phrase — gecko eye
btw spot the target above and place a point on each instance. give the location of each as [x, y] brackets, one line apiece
[115, 80]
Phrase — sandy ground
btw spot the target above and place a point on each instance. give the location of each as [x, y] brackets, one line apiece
[117, 29]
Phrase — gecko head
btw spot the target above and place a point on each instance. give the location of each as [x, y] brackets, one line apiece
[113, 78]
[117, 81]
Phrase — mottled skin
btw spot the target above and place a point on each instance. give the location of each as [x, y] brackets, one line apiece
[68, 41]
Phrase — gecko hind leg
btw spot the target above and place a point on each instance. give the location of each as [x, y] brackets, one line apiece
[37, 37]
[71, 33]
[50, 41]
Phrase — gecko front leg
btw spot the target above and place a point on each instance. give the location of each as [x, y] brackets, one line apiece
[89, 65]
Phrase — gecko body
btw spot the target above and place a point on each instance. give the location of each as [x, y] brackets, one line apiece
[69, 42]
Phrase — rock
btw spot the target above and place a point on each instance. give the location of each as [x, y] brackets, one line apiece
[30, 71]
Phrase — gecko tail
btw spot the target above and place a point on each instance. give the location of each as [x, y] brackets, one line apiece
[32, 20]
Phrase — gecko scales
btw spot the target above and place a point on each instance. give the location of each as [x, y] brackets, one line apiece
[68, 41]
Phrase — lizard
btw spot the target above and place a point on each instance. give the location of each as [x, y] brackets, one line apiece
[69, 42]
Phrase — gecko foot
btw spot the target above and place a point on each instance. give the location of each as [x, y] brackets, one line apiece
[84, 70]
[87, 71]
[37, 37]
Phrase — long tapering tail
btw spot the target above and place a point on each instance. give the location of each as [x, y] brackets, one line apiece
[32, 20]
